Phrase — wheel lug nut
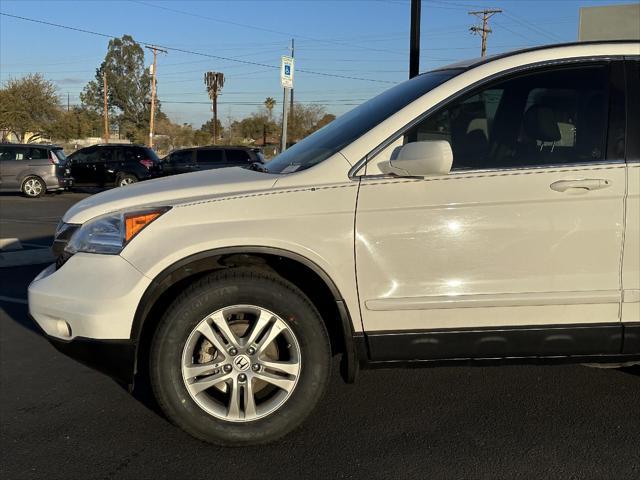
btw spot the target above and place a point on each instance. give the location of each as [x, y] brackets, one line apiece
[255, 367]
[227, 368]
[242, 377]
[251, 350]
[233, 351]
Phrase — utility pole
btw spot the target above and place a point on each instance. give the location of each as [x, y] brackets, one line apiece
[214, 82]
[414, 39]
[484, 30]
[292, 56]
[154, 69]
[106, 109]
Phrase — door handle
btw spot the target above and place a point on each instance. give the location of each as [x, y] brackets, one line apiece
[580, 186]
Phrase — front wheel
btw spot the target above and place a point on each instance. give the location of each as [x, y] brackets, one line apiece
[240, 358]
[125, 179]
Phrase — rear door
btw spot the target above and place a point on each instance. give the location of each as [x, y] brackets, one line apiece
[83, 166]
[208, 158]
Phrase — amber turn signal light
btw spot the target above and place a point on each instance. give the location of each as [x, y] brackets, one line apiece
[135, 222]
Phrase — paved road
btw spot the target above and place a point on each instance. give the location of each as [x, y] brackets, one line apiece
[61, 420]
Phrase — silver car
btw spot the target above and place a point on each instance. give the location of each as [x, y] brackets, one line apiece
[33, 169]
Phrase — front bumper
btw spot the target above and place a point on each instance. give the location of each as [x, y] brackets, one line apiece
[86, 309]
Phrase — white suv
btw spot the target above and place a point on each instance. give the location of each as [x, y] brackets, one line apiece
[486, 211]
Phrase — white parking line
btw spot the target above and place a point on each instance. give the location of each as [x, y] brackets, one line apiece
[13, 300]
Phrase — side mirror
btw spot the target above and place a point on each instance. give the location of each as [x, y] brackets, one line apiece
[419, 159]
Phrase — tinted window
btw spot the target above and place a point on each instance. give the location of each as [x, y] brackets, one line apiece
[132, 154]
[150, 154]
[544, 118]
[352, 125]
[60, 154]
[11, 153]
[210, 156]
[86, 155]
[633, 117]
[238, 156]
[37, 153]
[183, 156]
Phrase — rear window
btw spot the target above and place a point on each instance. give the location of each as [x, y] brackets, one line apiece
[136, 154]
[151, 154]
[59, 153]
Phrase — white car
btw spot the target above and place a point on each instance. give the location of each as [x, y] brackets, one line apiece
[487, 211]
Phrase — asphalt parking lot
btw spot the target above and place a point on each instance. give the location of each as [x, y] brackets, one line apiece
[60, 419]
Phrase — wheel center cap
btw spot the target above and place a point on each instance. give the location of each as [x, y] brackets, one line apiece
[242, 363]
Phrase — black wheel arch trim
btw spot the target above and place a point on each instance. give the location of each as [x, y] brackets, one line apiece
[208, 261]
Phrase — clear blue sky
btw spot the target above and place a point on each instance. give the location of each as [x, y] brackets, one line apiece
[367, 39]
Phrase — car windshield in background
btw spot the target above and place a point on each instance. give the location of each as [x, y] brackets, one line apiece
[355, 123]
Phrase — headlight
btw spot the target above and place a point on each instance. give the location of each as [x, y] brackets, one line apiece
[109, 233]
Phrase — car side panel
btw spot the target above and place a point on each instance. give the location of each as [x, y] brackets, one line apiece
[631, 254]
[314, 222]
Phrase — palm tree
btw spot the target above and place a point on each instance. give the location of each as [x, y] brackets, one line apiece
[269, 103]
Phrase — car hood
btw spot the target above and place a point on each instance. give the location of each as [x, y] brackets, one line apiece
[169, 191]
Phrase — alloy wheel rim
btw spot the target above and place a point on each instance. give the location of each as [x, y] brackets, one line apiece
[126, 181]
[32, 187]
[251, 363]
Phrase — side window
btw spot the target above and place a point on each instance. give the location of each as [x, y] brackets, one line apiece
[8, 154]
[38, 154]
[238, 156]
[182, 157]
[633, 105]
[211, 156]
[21, 154]
[550, 117]
[131, 154]
[89, 155]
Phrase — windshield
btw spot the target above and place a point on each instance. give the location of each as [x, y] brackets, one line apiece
[355, 123]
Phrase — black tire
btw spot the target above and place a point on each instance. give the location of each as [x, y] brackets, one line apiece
[124, 179]
[33, 187]
[240, 286]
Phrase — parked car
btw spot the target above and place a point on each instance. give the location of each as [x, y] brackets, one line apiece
[484, 212]
[206, 158]
[33, 169]
[112, 164]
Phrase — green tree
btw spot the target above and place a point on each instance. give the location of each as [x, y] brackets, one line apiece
[29, 106]
[305, 120]
[76, 123]
[254, 126]
[207, 127]
[128, 88]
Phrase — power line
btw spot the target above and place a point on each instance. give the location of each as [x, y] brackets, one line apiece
[191, 52]
[256, 27]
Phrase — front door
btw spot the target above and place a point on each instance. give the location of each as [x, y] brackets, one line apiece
[523, 236]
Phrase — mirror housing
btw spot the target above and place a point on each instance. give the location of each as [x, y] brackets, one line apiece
[419, 159]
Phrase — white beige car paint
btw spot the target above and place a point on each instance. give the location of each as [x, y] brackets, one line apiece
[519, 262]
